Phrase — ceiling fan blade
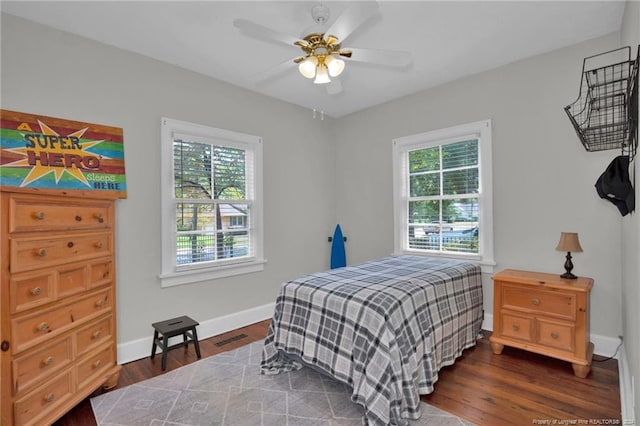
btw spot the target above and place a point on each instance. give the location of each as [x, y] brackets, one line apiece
[272, 72]
[335, 86]
[259, 31]
[392, 58]
[354, 16]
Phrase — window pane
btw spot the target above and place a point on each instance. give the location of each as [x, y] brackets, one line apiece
[462, 217]
[422, 217]
[424, 160]
[235, 244]
[463, 181]
[464, 210]
[233, 215]
[456, 231]
[194, 248]
[423, 212]
[460, 154]
[196, 217]
[192, 169]
[229, 173]
[424, 184]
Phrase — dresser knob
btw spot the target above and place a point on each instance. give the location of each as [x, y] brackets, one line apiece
[100, 303]
[42, 252]
[48, 360]
[70, 244]
[97, 364]
[36, 291]
[99, 245]
[49, 397]
[38, 215]
[43, 327]
[78, 218]
[536, 302]
[97, 334]
[99, 217]
[5, 345]
[515, 327]
[554, 335]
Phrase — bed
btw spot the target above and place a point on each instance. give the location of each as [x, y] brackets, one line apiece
[384, 328]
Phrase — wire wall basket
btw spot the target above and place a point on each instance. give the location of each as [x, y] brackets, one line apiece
[605, 115]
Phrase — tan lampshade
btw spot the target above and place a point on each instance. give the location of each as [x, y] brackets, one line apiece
[569, 242]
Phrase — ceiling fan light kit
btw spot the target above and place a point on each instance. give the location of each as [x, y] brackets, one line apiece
[322, 57]
[321, 67]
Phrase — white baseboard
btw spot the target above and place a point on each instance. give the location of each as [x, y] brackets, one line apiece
[626, 389]
[602, 345]
[141, 348]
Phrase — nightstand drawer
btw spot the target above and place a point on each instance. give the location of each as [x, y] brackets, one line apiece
[517, 327]
[556, 335]
[535, 300]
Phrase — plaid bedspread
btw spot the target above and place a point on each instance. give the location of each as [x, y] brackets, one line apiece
[383, 327]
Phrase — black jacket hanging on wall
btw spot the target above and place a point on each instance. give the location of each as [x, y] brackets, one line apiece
[614, 185]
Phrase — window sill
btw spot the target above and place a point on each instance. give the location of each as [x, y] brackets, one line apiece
[193, 276]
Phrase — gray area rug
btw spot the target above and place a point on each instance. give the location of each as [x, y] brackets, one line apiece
[228, 389]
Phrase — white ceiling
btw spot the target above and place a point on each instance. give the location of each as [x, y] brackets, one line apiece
[447, 39]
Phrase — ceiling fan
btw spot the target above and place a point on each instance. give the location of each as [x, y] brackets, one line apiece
[322, 49]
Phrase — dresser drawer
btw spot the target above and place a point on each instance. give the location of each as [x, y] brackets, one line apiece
[101, 273]
[557, 335]
[38, 252]
[95, 334]
[28, 214]
[536, 300]
[95, 364]
[30, 369]
[71, 280]
[35, 328]
[518, 327]
[31, 290]
[37, 405]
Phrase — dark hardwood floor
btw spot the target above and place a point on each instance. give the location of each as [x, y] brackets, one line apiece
[515, 388]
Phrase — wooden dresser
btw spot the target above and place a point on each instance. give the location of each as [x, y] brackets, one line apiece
[58, 332]
[543, 313]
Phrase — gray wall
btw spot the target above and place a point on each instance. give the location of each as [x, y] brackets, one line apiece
[543, 179]
[49, 72]
[631, 238]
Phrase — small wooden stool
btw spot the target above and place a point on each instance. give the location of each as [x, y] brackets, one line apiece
[173, 327]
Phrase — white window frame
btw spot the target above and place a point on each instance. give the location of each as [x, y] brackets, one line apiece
[480, 130]
[172, 274]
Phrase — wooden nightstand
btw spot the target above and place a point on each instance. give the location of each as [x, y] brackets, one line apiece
[543, 313]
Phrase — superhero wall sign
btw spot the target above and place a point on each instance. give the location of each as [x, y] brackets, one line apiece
[52, 153]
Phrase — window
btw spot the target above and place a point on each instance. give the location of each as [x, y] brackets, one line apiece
[211, 203]
[442, 193]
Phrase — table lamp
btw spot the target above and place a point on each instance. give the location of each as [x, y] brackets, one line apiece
[569, 242]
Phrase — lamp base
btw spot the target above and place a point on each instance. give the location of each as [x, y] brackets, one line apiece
[568, 275]
[568, 266]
